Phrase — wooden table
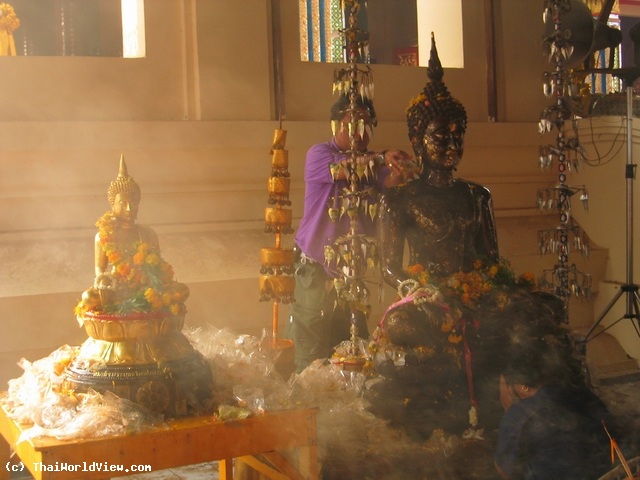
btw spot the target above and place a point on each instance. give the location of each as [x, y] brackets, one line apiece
[281, 445]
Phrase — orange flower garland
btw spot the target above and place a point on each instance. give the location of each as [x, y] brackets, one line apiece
[141, 271]
[466, 289]
[9, 22]
[462, 292]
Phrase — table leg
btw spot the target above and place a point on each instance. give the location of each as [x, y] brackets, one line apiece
[5, 459]
[225, 469]
[309, 461]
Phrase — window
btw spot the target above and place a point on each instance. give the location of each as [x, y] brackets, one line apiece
[104, 28]
[605, 82]
[320, 24]
[391, 27]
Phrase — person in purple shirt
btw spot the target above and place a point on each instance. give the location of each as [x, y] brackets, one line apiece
[318, 322]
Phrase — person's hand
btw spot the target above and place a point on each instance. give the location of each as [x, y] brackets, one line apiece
[402, 167]
[507, 394]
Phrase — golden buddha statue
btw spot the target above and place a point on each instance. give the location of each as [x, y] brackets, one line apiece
[130, 275]
[134, 314]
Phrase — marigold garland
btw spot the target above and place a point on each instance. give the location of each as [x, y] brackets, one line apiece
[9, 21]
[141, 271]
[469, 288]
[458, 296]
[462, 292]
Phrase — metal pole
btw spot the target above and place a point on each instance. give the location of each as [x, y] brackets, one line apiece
[630, 174]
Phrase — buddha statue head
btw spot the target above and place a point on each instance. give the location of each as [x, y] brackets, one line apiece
[436, 121]
[124, 195]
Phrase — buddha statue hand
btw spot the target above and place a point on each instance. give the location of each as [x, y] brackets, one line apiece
[105, 281]
[102, 292]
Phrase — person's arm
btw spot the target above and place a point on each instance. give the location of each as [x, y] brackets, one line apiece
[402, 168]
[319, 164]
[394, 167]
[366, 160]
[507, 453]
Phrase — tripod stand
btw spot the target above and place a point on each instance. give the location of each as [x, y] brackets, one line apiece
[629, 289]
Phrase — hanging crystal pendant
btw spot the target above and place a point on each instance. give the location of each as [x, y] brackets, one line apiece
[584, 198]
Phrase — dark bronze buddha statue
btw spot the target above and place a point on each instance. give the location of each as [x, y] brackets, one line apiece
[439, 348]
[448, 226]
[447, 222]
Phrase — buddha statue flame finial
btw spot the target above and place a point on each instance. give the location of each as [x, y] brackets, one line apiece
[434, 101]
[435, 72]
[123, 183]
[122, 172]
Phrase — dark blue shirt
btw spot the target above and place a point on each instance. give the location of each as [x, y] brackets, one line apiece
[556, 434]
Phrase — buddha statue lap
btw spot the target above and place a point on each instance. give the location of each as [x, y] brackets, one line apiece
[134, 314]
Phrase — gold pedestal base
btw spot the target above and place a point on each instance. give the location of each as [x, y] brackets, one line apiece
[145, 359]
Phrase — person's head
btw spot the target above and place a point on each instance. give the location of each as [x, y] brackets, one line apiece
[356, 121]
[537, 360]
[124, 195]
[525, 364]
[436, 121]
